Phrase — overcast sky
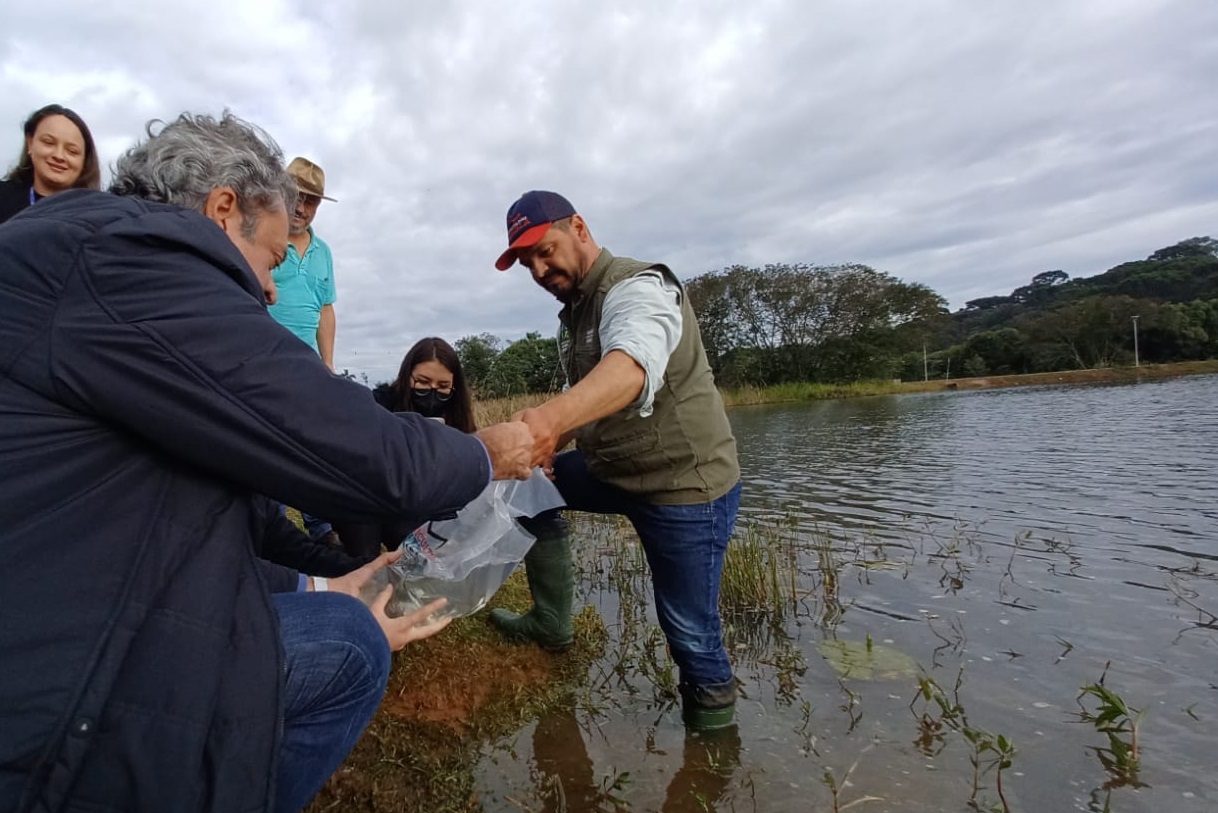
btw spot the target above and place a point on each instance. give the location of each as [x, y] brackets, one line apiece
[964, 145]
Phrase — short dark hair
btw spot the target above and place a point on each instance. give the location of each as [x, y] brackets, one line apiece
[90, 171]
[459, 413]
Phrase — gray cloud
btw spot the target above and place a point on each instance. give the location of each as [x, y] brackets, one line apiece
[966, 146]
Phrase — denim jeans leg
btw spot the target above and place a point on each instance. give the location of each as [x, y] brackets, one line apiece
[337, 666]
[685, 547]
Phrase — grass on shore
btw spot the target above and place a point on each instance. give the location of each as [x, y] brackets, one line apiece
[447, 696]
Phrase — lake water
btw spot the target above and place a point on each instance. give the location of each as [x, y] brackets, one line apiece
[1015, 545]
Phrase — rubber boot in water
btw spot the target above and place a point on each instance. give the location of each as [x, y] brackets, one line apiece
[551, 575]
[708, 707]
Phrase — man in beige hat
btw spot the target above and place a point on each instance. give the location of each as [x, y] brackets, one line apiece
[305, 292]
[305, 279]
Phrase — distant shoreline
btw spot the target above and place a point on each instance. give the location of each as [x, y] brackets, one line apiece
[501, 409]
[786, 393]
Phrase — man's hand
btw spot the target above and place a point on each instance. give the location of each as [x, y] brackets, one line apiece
[613, 384]
[398, 631]
[547, 434]
[410, 627]
[353, 581]
[511, 449]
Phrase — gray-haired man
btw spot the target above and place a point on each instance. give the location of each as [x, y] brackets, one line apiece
[146, 397]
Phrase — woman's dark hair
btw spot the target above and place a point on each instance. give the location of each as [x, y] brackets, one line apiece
[90, 170]
[459, 413]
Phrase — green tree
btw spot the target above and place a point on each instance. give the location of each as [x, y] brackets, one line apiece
[805, 322]
[1093, 332]
[1004, 351]
[526, 365]
[478, 354]
[1192, 247]
[974, 366]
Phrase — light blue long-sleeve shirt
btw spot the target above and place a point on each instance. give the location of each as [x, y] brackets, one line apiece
[641, 316]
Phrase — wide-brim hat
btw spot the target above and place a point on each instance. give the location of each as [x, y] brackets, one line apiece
[528, 220]
[310, 179]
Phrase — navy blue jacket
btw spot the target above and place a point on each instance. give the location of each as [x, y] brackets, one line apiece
[145, 396]
[287, 551]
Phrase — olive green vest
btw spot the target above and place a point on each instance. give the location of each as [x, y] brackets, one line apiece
[684, 452]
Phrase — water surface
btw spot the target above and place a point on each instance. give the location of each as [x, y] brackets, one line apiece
[1016, 544]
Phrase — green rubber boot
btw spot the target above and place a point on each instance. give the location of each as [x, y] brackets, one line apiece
[707, 708]
[551, 575]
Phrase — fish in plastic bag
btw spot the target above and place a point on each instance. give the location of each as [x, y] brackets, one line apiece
[468, 558]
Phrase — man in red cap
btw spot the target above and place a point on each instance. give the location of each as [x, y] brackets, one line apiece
[652, 442]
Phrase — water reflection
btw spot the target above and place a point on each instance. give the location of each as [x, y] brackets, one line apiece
[566, 782]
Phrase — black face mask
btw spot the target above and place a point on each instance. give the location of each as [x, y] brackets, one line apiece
[429, 402]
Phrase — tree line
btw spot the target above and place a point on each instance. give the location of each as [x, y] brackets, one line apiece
[840, 323]
[1169, 301]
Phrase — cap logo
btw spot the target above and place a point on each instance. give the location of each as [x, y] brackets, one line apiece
[518, 224]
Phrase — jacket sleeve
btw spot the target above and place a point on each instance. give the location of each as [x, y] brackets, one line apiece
[161, 331]
[285, 544]
[279, 579]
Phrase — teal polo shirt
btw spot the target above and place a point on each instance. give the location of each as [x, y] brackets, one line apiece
[304, 284]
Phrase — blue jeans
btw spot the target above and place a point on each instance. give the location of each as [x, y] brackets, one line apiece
[685, 546]
[337, 666]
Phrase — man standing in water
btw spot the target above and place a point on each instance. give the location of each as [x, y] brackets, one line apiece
[653, 442]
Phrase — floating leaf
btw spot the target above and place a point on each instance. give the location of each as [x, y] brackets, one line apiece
[857, 659]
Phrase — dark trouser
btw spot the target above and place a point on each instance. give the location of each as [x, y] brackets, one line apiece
[315, 527]
[685, 546]
[364, 540]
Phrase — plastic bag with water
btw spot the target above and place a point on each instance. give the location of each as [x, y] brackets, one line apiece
[468, 558]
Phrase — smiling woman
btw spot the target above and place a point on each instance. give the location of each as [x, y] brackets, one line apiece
[57, 154]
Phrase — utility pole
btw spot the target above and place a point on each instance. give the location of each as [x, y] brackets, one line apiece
[1135, 341]
[925, 369]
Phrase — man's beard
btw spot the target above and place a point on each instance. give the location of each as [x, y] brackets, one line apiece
[564, 294]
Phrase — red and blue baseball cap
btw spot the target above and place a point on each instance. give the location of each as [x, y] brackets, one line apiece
[529, 219]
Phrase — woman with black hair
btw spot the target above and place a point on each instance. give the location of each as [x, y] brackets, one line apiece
[430, 382]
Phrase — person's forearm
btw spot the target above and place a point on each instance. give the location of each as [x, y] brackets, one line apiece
[613, 384]
[327, 327]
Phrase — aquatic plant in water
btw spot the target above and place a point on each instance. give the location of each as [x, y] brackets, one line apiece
[867, 660]
[940, 714]
[1119, 722]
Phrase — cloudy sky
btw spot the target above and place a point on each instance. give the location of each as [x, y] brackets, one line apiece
[965, 145]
